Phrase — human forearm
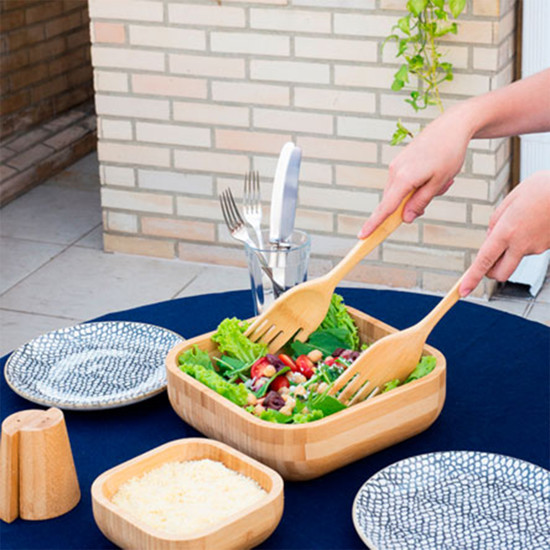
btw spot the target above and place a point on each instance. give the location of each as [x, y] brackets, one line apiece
[520, 108]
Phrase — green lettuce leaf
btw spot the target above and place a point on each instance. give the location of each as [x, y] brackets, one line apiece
[272, 415]
[233, 342]
[237, 393]
[195, 356]
[301, 418]
[338, 317]
[426, 365]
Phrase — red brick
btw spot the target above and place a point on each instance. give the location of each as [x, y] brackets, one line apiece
[6, 172]
[24, 37]
[63, 24]
[14, 61]
[45, 50]
[12, 20]
[50, 88]
[30, 157]
[67, 62]
[78, 38]
[24, 142]
[72, 97]
[31, 75]
[44, 10]
[11, 103]
[66, 137]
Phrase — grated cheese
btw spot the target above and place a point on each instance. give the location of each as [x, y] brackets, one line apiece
[181, 498]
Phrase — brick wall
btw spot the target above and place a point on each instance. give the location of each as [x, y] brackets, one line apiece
[45, 60]
[190, 95]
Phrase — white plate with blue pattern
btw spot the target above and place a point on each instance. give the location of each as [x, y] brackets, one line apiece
[457, 500]
[92, 366]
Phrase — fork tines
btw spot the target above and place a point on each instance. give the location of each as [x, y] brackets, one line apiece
[251, 197]
[230, 211]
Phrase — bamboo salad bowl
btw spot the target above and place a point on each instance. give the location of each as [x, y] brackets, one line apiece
[306, 451]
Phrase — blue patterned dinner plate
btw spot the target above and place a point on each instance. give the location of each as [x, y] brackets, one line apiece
[92, 365]
[457, 500]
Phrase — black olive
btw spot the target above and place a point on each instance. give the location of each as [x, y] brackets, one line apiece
[273, 401]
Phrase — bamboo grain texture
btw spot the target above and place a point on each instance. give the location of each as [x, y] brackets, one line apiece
[306, 451]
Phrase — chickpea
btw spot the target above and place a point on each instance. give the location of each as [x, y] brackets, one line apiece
[287, 409]
[251, 399]
[269, 371]
[315, 355]
[297, 378]
[284, 391]
[300, 390]
[290, 402]
[322, 388]
[259, 409]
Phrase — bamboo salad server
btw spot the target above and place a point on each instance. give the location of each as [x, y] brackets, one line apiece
[300, 310]
[391, 357]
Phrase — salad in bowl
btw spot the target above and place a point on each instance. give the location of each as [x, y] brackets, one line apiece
[291, 387]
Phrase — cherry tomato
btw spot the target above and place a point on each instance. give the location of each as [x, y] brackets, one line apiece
[257, 369]
[279, 382]
[288, 362]
[305, 365]
[329, 361]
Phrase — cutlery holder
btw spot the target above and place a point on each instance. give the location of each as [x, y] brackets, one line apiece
[37, 471]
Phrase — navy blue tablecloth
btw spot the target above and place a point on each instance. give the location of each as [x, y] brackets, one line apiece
[498, 400]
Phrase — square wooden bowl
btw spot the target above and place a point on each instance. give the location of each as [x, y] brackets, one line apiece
[243, 529]
[305, 451]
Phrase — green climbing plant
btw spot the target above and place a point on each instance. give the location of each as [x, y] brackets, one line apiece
[417, 37]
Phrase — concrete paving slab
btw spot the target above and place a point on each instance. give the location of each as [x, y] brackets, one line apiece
[83, 283]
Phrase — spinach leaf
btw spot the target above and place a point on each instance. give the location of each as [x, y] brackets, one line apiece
[325, 340]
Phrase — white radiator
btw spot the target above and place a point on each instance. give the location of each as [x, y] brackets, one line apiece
[534, 148]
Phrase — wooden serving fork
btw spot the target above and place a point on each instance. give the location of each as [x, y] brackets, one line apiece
[391, 357]
[300, 310]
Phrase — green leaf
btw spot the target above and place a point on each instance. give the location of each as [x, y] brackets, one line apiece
[392, 384]
[325, 340]
[237, 393]
[195, 356]
[325, 403]
[404, 25]
[231, 341]
[398, 137]
[402, 73]
[403, 44]
[417, 6]
[438, 3]
[263, 390]
[426, 365]
[457, 7]
[338, 317]
[397, 85]
[271, 415]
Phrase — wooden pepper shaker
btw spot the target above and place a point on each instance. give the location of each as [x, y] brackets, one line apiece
[37, 472]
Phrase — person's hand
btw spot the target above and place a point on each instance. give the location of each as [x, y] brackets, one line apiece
[518, 227]
[428, 164]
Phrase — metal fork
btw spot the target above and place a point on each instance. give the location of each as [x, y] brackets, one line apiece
[238, 231]
[252, 206]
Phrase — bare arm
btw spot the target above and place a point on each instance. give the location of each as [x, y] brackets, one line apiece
[429, 163]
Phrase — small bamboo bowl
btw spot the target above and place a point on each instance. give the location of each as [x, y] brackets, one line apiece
[306, 451]
[244, 529]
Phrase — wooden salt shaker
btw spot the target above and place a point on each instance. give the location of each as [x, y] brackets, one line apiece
[37, 472]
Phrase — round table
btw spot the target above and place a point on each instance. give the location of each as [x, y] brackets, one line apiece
[498, 400]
